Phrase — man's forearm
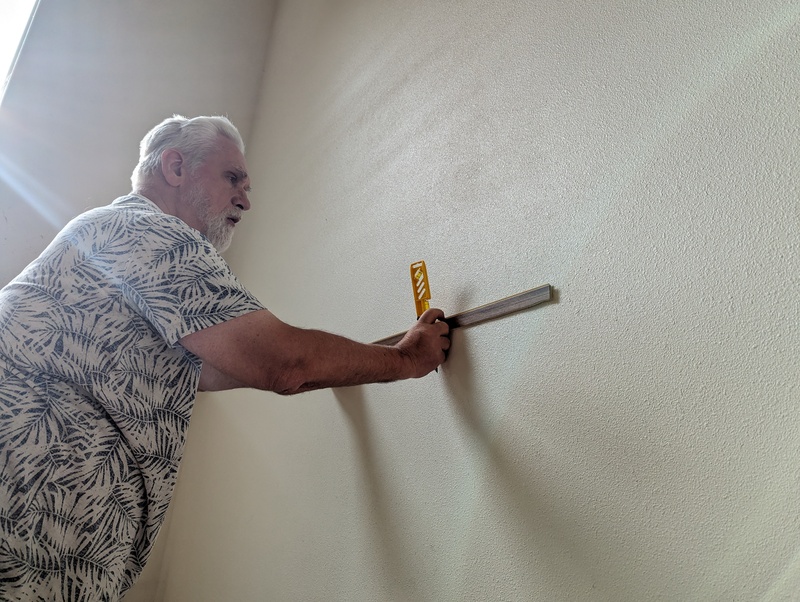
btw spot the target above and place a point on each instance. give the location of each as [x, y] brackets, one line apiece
[260, 351]
[320, 360]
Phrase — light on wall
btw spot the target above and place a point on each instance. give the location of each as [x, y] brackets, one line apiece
[15, 19]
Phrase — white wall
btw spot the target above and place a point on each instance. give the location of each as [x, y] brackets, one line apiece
[637, 439]
[92, 78]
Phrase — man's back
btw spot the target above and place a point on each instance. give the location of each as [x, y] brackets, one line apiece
[96, 395]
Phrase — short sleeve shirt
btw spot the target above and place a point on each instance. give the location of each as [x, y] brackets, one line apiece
[96, 394]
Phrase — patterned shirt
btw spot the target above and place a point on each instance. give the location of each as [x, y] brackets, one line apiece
[96, 395]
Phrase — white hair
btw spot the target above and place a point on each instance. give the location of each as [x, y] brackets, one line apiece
[194, 138]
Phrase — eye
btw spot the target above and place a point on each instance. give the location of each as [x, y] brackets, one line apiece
[233, 179]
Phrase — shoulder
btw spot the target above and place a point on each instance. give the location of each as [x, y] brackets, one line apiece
[138, 210]
[127, 212]
[131, 231]
[135, 219]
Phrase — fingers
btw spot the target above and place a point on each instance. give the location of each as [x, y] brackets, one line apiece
[446, 342]
[436, 317]
[427, 341]
[431, 315]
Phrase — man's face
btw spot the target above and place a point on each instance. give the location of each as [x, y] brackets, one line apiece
[217, 194]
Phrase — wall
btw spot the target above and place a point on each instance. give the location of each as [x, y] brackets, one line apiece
[92, 78]
[634, 440]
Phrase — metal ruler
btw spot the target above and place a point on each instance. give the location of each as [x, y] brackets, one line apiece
[489, 311]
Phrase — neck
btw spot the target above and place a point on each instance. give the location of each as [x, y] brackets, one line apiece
[164, 197]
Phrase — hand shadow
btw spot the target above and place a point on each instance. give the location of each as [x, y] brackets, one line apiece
[522, 487]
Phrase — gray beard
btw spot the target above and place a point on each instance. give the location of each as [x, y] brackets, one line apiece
[219, 232]
[217, 229]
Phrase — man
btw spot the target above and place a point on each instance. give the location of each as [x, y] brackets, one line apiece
[105, 340]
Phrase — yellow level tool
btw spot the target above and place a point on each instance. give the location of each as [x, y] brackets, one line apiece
[489, 311]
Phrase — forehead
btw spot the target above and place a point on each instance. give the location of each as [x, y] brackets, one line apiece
[226, 156]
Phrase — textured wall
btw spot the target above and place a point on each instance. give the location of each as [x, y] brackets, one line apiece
[635, 440]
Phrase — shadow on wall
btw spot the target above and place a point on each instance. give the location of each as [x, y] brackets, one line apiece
[352, 401]
[523, 489]
[524, 494]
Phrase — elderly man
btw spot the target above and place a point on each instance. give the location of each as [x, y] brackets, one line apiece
[105, 340]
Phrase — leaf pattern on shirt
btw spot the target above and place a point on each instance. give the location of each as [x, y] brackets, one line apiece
[96, 395]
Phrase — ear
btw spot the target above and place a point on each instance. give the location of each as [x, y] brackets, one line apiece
[172, 166]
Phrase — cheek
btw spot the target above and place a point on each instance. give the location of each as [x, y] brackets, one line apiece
[219, 199]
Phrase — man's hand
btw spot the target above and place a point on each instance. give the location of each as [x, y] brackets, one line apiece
[426, 343]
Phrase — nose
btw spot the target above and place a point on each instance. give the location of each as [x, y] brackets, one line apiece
[242, 201]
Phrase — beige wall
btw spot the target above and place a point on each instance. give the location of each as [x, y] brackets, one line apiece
[92, 78]
[637, 439]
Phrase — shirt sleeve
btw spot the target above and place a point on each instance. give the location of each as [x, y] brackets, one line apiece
[179, 283]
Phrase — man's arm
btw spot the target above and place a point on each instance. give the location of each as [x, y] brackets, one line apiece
[212, 379]
[258, 350]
